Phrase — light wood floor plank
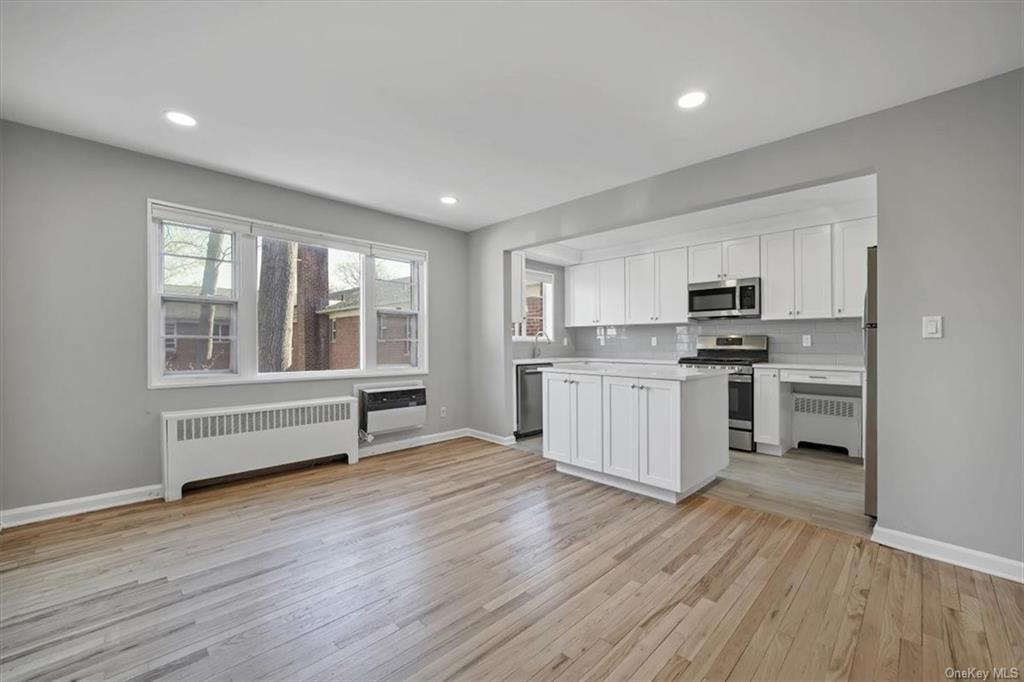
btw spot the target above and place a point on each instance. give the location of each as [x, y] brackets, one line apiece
[468, 560]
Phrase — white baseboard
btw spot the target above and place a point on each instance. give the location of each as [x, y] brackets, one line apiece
[490, 437]
[951, 554]
[19, 516]
[430, 439]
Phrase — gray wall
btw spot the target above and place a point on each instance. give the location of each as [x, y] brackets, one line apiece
[950, 237]
[77, 418]
[832, 341]
[524, 349]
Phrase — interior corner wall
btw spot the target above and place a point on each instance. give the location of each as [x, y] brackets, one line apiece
[77, 418]
[950, 225]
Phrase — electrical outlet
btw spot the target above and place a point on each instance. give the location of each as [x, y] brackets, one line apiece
[807, 340]
[931, 327]
[654, 340]
[565, 340]
[444, 412]
[600, 340]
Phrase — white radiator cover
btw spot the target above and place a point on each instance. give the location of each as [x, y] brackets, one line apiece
[201, 444]
[828, 420]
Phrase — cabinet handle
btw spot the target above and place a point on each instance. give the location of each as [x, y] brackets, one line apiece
[632, 385]
[814, 377]
[840, 310]
[565, 381]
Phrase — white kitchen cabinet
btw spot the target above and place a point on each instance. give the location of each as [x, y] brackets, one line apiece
[596, 293]
[656, 287]
[641, 288]
[611, 291]
[777, 276]
[658, 451]
[620, 433]
[587, 448]
[766, 406]
[581, 294]
[850, 241]
[572, 408]
[741, 258]
[517, 292]
[705, 262]
[812, 249]
[559, 429]
[671, 294]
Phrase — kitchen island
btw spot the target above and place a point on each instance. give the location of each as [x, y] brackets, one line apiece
[657, 430]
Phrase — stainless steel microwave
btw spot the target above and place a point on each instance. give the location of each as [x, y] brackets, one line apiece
[726, 298]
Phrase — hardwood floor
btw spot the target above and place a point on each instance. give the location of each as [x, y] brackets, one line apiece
[474, 561]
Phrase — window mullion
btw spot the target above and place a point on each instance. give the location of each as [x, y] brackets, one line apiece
[247, 291]
[368, 313]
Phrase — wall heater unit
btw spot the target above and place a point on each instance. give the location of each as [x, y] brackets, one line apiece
[828, 420]
[201, 444]
[392, 408]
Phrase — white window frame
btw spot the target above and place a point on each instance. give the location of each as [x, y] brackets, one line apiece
[548, 281]
[245, 292]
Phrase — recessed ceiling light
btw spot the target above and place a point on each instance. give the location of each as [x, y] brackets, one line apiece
[692, 99]
[449, 200]
[180, 118]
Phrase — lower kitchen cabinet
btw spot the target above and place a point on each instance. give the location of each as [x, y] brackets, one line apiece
[766, 406]
[621, 442]
[641, 430]
[572, 413]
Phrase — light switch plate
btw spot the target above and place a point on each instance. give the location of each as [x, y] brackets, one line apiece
[931, 327]
[565, 340]
[600, 340]
[654, 340]
[807, 340]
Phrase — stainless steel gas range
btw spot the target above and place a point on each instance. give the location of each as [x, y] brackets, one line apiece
[737, 354]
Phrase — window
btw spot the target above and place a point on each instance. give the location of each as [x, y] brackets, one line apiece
[235, 300]
[538, 299]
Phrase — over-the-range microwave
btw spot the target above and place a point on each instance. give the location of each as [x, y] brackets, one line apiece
[725, 298]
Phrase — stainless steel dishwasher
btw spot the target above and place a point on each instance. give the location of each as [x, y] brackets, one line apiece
[529, 399]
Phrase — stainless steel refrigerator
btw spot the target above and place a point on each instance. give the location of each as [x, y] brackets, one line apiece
[871, 390]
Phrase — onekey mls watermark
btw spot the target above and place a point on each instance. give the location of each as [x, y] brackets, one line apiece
[1001, 673]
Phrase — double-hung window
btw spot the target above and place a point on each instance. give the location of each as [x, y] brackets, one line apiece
[538, 302]
[235, 300]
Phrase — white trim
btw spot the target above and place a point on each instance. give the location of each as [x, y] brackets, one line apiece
[951, 554]
[490, 437]
[19, 516]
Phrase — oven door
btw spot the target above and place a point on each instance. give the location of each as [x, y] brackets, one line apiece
[713, 299]
[741, 402]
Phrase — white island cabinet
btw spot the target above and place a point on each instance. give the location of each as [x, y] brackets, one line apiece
[656, 430]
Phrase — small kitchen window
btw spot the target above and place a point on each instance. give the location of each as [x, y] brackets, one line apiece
[538, 306]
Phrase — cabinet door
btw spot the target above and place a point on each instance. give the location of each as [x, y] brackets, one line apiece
[587, 446]
[659, 446]
[766, 406]
[777, 276]
[582, 280]
[640, 288]
[706, 262]
[611, 296]
[620, 427]
[558, 413]
[671, 295]
[741, 258]
[517, 292]
[813, 263]
[850, 242]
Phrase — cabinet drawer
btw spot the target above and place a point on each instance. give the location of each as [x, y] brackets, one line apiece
[803, 376]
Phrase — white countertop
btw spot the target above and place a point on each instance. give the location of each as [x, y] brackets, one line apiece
[809, 367]
[622, 361]
[671, 372]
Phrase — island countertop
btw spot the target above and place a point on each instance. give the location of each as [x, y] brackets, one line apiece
[644, 371]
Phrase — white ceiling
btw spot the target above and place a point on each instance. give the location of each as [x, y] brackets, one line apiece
[512, 107]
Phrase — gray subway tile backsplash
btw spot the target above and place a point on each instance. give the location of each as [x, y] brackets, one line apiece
[832, 341]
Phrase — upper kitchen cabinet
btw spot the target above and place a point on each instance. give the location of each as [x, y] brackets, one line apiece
[656, 287]
[732, 259]
[595, 293]
[706, 262]
[741, 258]
[778, 276]
[812, 256]
[850, 241]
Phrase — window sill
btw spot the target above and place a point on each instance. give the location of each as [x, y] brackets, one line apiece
[235, 380]
[528, 339]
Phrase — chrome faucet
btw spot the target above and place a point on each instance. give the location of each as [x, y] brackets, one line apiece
[536, 337]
